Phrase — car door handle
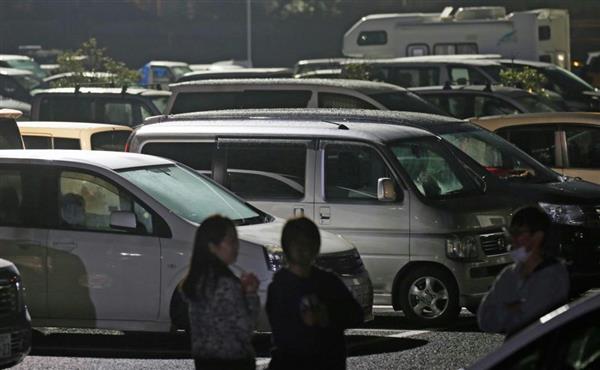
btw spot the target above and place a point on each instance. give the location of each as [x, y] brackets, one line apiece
[298, 212]
[66, 246]
[26, 244]
[324, 215]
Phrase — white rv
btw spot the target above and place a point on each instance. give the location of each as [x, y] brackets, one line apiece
[541, 34]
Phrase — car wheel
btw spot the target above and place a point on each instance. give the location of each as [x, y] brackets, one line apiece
[180, 318]
[428, 296]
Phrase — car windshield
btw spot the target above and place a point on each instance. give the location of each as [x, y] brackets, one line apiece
[180, 71]
[161, 102]
[27, 65]
[534, 104]
[28, 82]
[566, 82]
[498, 156]
[432, 168]
[191, 195]
[406, 101]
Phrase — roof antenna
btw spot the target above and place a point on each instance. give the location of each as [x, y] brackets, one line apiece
[77, 89]
[340, 126]
[124, 89]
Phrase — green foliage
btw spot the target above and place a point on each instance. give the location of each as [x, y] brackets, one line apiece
[92, 58]
[527, 79]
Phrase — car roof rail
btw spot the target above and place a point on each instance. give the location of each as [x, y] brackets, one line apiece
[340, 126]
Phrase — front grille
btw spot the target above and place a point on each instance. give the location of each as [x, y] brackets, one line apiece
[343, 263]
[493, 243]
[8, 298]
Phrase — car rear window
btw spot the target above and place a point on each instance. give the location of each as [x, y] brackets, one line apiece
[64, 108]
[248, 99]
[110, 140]
[37, 142]
[66, 143]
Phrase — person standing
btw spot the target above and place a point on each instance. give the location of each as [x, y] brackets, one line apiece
[531, 287]
[308, 307]
[223, 309]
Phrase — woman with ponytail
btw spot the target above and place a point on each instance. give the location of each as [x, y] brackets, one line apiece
[223, 308]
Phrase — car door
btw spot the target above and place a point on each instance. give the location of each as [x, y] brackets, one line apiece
[275, 175]
[95, 271]
[542, 142]
[23, 233]
[582, 151]
[346, 203]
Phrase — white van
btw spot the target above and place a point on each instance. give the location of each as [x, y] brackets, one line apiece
[540, 34]
[102, 239]
[74, 135]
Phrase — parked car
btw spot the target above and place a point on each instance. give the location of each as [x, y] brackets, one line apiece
[292, 93]
[480, 101]
[10, 138]
[74, 135]
[17, 84]
[569, 143]
[22, 62]
[90, 78]
[21, 106]
[429, 235]
[236, 73]
[15, 322]
[160, 73]
[102, 239]
[504, 173]
[121, 106]
[566, 338]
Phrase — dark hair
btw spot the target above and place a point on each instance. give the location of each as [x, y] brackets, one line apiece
[204, 263]
[531, 217]
[300, 232]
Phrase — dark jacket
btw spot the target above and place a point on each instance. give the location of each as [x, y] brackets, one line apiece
[297, 345]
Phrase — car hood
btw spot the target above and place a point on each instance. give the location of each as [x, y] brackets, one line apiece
[270, 234]
[568, 192]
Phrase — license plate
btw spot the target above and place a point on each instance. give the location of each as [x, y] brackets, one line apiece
[5, 350]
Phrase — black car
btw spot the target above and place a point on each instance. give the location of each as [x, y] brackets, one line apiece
[10, 137]
[122, 106]
[15, 323]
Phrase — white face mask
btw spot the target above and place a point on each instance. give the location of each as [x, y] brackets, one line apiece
[519, 255]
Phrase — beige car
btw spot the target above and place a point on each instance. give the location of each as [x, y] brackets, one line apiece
[73, 135]
[567, 142]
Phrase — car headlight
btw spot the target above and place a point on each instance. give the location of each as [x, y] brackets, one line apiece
[274, 257]
[462, 248]
[565, 214]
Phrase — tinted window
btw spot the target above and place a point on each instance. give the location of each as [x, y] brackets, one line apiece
[331, 100]
[253, 173]
[538, 142]
[467, 76]
[59, 108]
[544, 33]
[86, 202]
[372, 38]
[194, 102]
[10, 137]
[118, 113]
[10, 88]
[109, 140]
[37, 142]
[196, 155]
[63, 143]
[490, 106]
[459, 48]
[21, 198]
[405, 101]
[460, 106]
[352, 172]
[583, 147]
[409, 76]
[533, 104]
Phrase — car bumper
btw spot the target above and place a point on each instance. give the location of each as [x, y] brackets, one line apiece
[19, 331]
[362, 290]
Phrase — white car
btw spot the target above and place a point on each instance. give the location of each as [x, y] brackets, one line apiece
[566, 338]
[102, 239]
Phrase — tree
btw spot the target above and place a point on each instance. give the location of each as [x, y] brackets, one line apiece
[92, 58]
[527, 79]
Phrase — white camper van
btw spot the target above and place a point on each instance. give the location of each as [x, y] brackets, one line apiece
[541, 34]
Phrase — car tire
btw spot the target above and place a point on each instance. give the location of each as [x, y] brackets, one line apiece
[428, 296]
[180, 318]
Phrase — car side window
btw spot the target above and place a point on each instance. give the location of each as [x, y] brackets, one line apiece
[538, 142]
[332, 100]
[490, 106]
[66, 143]
[87, 201]
[412, 76]
[263, 170]
[21, 198]
[460, 106]
[37, 142]
[583, 147]
[116, 112]
[199, 156]
[352, 172]
[467, 76]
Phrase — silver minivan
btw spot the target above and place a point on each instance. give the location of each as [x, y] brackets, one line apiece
[102, 239]
[430, 237]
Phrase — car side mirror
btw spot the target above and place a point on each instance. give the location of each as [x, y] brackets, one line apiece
[123, 220]
[386, 191]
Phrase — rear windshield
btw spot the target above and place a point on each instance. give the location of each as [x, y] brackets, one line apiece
[248, 99]
[406, 101]
[10, 137]
[64, 108]
[110, 140]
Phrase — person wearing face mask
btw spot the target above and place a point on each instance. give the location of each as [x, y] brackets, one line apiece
[533, 285]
